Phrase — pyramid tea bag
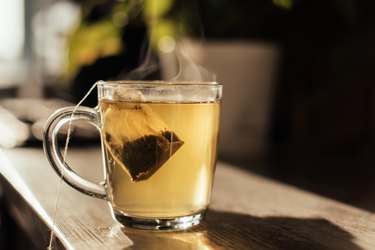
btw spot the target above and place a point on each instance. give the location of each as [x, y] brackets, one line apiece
[136, 137]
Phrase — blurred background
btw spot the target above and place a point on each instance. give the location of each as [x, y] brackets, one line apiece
[298, 76]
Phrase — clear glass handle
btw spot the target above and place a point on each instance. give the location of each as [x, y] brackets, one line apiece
[53, 152]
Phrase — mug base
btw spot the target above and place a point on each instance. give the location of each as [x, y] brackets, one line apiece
[162, 224]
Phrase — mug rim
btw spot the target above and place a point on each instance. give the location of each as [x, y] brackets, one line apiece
[103, 83]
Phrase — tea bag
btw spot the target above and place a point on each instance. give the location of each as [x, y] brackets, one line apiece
[136, 136]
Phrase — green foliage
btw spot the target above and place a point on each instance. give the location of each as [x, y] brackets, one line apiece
[286, 4]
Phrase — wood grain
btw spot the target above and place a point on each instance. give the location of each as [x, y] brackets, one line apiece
[246, 212]
[81, 222]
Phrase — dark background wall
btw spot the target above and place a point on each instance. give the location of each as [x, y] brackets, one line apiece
[322, 134]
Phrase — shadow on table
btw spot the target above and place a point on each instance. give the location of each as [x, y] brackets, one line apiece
[225, 230]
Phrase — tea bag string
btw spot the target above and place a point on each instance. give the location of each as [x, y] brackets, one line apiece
[65, 152]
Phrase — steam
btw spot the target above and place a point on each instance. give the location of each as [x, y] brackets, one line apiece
[163, 56]
[187, 53]
[148, 67]
[177, 61]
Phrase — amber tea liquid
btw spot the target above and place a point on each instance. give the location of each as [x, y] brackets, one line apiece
[182, 184]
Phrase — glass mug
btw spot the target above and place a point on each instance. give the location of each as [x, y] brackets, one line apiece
[159, 145]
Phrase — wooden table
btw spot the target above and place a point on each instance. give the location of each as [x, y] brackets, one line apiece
[247, 212]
